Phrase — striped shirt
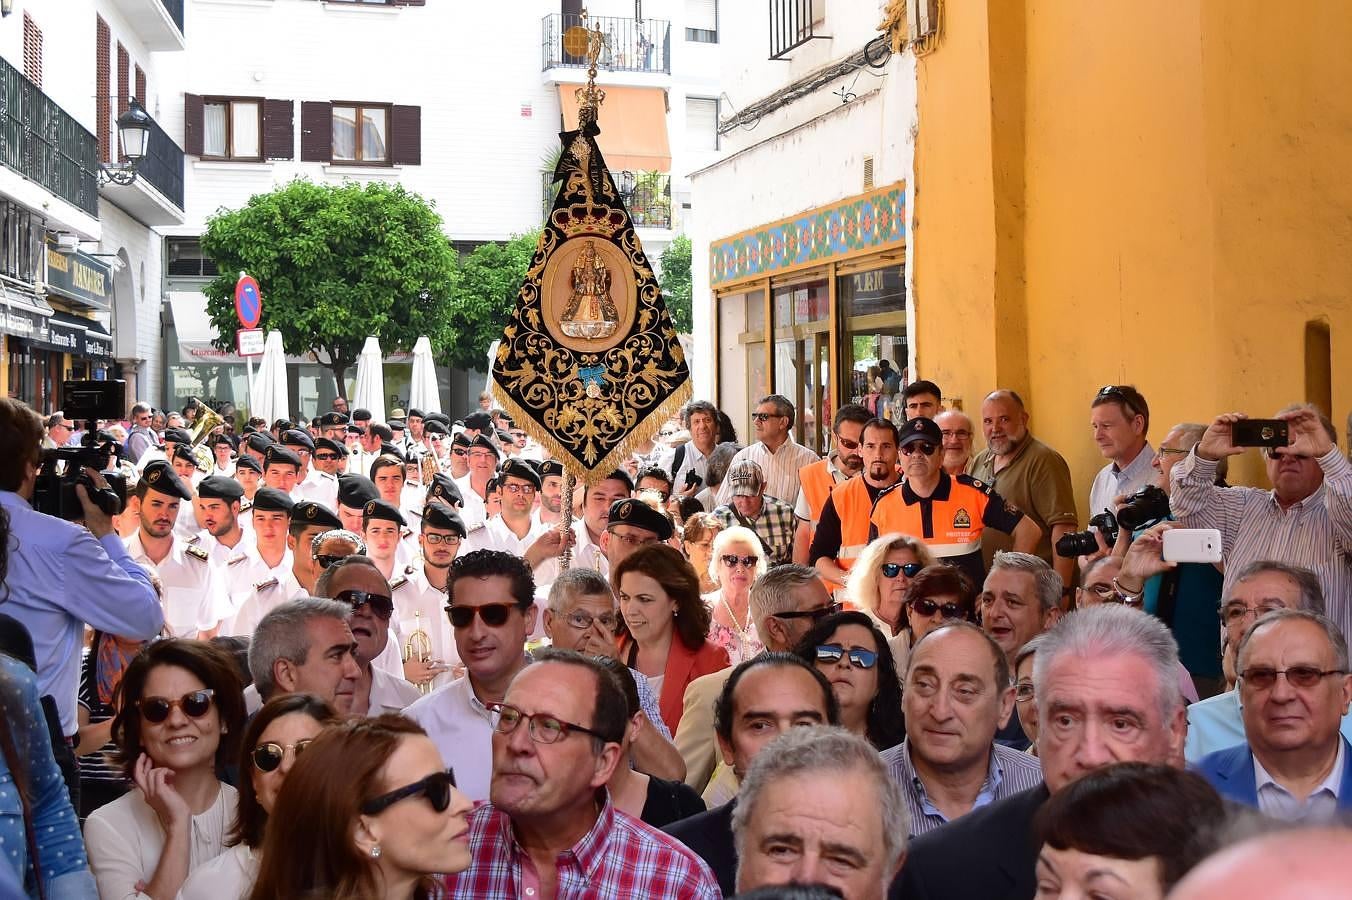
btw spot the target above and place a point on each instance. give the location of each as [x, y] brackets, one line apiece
[780, 468]
[619, 857]
[1010, 771]
[1315, 533]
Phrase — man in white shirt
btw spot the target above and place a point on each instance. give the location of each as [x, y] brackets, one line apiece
[492, 610]
[483, 463]
[265, 578]
[326, 463]
[1120, 419]
[514, 530]
[775, 451]
[382, 527]
[281, 469]
[420, 597]
[700, 417]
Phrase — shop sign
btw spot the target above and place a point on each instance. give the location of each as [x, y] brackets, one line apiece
[97, 346]
[64, 338]
[80, 277]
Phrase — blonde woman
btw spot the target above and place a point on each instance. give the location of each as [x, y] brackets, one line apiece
[736, 560]
[698, 542]
[878, 582]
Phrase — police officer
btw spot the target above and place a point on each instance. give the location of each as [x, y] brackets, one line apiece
[420, 596]
[185, 467]
[459, 456]
[257, 444]
[265, 578]
[327, 462]
[300, 443]
[194, 595]
[249, 474]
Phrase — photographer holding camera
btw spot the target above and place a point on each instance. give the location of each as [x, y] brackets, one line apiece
[63, 576]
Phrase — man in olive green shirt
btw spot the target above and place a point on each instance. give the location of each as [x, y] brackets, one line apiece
[1029, 475]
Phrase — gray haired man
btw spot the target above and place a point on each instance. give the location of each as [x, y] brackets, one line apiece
[305, 646]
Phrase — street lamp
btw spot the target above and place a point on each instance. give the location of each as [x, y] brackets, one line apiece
[133, 131]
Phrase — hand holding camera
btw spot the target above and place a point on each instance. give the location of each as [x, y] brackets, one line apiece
[99, 501]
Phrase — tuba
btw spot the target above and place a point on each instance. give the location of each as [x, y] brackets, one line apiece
[419, 647]
[207, 421]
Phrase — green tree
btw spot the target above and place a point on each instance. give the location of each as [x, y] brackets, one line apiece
[484, 296]
[675, 284]
[336, 263]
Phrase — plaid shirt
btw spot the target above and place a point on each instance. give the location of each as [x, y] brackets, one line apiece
[619, 857]
[775, 526]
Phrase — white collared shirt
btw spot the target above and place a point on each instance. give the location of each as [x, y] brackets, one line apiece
[194, 591]
[255, 588]
[1111, 481]
[389, 694]
[497, 535]
[1320, 807]
[462, 729]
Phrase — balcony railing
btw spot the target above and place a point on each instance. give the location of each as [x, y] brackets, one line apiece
[631, 45]
[175, 10]
[793, 23]
[647, 196]
[43, 143]
[163, 165]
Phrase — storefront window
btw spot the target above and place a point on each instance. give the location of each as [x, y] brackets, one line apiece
[873, 319]
[803, 358]
[742, 375]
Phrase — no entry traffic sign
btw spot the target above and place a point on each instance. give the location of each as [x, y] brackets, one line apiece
[248, 301]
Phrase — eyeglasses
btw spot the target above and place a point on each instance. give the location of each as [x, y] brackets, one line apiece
[635, 540]
[732, 561]
[761, 417]
[582, 620]
[519, 488]
[543, 728]
[381, 604]
[435, 787]
[494, 614]
[924, 606]
[267, 757]
[1105, 592]
[1234, 613]
[194, 705]
[956, 432]
[1279, 453]
[459, 452]
[846, 443]
[910, 570]
[433, 538]
[859, 657]
[1172, 451]
[482, 454]
[1260, 678]
[922, 447]
[816, 615]
[1023, 691]
[326, 457]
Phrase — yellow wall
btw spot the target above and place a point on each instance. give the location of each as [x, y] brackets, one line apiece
[1155, 192]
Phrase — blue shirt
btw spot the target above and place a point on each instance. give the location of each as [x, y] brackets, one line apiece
[60, 579]
[1216, 723]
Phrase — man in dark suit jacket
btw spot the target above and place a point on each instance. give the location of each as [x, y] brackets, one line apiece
[1107, 691]
[709, 836]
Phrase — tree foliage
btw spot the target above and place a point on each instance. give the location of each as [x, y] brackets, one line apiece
[336, 263]
[485, 294]
[675, 283]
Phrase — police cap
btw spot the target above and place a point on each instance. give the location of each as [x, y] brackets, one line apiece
[519, 468]
[631, 511]
[218, 487]
[439, 515]
[312, 513]
[355, 491]
[379, 509]
[278, 455]
[160, 477]
[268, 499]
[920, 429]
[297, 438]
[249, 462]
[444, 489]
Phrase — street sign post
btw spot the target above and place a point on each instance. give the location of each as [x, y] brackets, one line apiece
[249, 342]
[249, 311]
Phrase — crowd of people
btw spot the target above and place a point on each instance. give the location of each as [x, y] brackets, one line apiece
[360, 659]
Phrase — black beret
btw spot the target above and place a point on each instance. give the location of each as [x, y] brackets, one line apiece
[396, 425]
[444, 488]
[218, 487]
[312, 513]
[160, 477]
[184, 452]
[415, 413]
[282, 425]
[249, 462]
[479, 421]
[363, 414]
[519, 468]
[331, 419]
[272, 500]
[353, 429]
[355, 491]
[483, 441]
[259, 442]
[324, 443]
[439, 515]
[631, 511]
[279, 455]
[388, 449]
[440, 417]
[620, 475]
[379, 509]
[435, 428]
[178, 435]
[220, 438]
[460, 440]
[297, 438]
[505, 437]
[551, 468]
[380, 430]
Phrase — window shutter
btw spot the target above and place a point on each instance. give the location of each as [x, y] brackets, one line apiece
[123, 89]
[32, 50]
[279, 129]
[406, 135]
[103, 76]
[141, 87]
[316, 131]
[701, 123]
[701, 14]
[192, 124]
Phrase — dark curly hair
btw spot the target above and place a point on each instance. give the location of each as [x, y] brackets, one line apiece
[487, 563]
[669, 568]
[885, 726]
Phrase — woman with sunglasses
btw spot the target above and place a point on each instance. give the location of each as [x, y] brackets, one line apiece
[698, 540]
[878, 582]
[180, 708]
[737, 559]
[663, 624]
[394, 821]
[273, 741]
[937, 593]
[852, 653]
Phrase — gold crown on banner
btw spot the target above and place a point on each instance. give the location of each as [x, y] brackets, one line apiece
[587, 218]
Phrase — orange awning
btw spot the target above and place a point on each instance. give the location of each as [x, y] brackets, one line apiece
[633, 127]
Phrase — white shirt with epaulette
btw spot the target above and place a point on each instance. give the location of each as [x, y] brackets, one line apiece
[494, 534]
[194, 595]
[264, 589]
[417, 604]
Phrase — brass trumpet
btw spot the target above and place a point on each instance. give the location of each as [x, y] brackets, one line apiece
[419, 647]
[207, 421]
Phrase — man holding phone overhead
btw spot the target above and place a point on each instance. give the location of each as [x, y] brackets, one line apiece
[1305, 520]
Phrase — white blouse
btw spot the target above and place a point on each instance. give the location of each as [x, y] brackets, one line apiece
[230, 876]
[125, 839]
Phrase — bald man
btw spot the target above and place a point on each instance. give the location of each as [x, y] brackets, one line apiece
[1300, 864]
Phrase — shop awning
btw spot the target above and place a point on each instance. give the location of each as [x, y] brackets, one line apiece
[80, 336]
[633, 127]
[24, 314]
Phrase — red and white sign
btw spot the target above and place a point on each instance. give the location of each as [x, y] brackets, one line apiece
[248, 301]
[249, 341]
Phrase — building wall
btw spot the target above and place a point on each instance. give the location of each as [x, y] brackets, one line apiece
[141, 351]
[1152, 193]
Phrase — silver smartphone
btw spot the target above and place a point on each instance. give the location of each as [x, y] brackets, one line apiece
[1193, 545]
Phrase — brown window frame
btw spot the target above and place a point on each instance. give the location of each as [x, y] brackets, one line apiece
[230, 128]
[359, 106]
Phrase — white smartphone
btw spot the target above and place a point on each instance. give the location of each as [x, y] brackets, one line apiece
[1192, 545]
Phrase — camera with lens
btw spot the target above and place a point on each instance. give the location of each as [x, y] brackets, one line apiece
[63, 468]
[1082, 543]
[1148, 506]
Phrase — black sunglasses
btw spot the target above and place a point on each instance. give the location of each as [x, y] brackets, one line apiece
[494, 614]
[327, 559]
[267, 757]
[381, 605]
[1119, 394]
[923, 447]
[892, 570]
[927, 607]
[732, 561]
[326, 457]
[815, 615]
[435, 787]
[859, 658]
[194, 704]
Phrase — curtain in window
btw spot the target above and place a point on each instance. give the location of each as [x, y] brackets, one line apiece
[344, 132]
[214, 129]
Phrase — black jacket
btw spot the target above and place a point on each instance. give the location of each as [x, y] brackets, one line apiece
[989, 853]
[709, 836]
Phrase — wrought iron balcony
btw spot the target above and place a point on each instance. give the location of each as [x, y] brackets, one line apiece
[175, 10]
[647, 196]
[162, 166]
[631, 45]
[43, 143]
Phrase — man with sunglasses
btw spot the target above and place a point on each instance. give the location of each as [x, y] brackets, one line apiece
[1120, 419]
[354, 580]
[770, 518]
[326, 463]
[819, 478]
[140, 437]
[550, 829]
[420, 597]
[492, 611]
[779, 456]
[1305, 519]
[843, 530]
[1295, 690]
[333, 425]
[949, 514]
[457, 461]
